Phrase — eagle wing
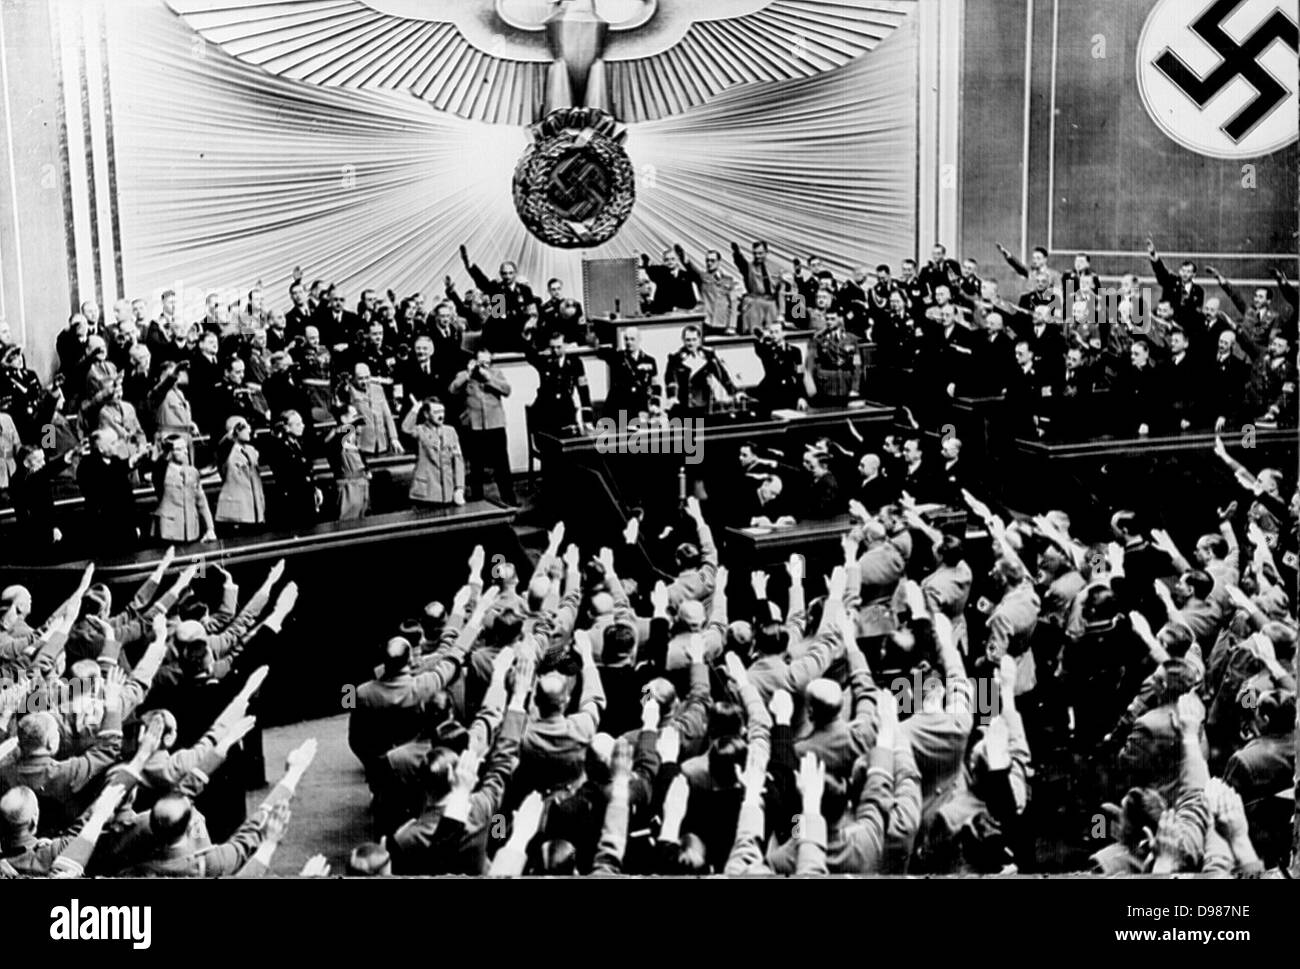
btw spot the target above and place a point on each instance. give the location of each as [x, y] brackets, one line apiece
[486, 60]
[691, 52]
[456, 54]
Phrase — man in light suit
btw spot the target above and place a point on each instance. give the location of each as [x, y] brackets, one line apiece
[377, 430]
[183, 514]
[1012, 621]
[483, 388]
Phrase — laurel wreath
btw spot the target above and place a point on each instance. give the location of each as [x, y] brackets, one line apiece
[559, 134]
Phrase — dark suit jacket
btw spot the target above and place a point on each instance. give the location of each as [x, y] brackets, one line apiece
[416, 383]
[673, 291]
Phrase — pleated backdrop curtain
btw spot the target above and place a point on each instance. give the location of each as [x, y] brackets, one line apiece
[228, 176]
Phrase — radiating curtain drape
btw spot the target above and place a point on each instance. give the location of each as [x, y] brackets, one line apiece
[228, 176]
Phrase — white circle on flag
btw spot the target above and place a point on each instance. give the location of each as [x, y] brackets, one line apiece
[1207, 128]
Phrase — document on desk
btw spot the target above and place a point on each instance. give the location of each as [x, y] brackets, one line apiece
[786, 414]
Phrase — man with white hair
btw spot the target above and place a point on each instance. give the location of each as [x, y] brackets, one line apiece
[104, 478]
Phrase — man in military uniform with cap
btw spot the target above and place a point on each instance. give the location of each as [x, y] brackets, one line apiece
[633, 377]
[559, 375]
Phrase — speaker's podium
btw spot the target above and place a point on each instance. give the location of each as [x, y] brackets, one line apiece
[613, 302]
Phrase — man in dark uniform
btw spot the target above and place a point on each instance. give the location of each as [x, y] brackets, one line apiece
[851, 303]
[297, 499]
[559, 375]
[377, 352]
[911, 286]
[939, 271]
[693, 373]
[834, 364]
[633, 377]
[782, 387]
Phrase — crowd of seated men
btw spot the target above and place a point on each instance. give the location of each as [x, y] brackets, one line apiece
[127, 746]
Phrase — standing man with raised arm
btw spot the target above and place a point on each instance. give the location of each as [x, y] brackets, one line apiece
[510, 299]
[758, 308]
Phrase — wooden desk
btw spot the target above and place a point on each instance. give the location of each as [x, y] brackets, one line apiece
[1265, 440]
[357, 583]
[590, 481]
[816, 540]
[273, 545]
[1175, 480]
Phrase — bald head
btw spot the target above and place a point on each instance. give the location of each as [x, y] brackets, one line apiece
[19, 812]
[825, 699]
[170, 819]
[552, 694]
[662, 692]
[397, 655]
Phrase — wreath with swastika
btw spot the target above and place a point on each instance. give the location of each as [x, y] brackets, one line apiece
[574, 186]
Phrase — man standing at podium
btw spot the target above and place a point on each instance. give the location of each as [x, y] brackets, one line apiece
[633, 377]
[695, 376]
[674, 283]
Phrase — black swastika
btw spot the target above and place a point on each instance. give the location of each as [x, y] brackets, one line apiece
[579, 186]
[1239, 60]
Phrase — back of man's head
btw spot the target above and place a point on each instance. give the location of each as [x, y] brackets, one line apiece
[825, 699]
[619, 644]
[726, 754]
[951, 550]
[432, 620]
[770, 639]
[538, 591]
[38, 733]
[397, 655]
[662, 692]
[440, 775]
[835, 799]
[20, 812]
[552, 694]
[687, 556]
[558, 857]
[691, 614]
[170, 819]
[602, 604]
[507, 627]
[192, 607]
[369, 860]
